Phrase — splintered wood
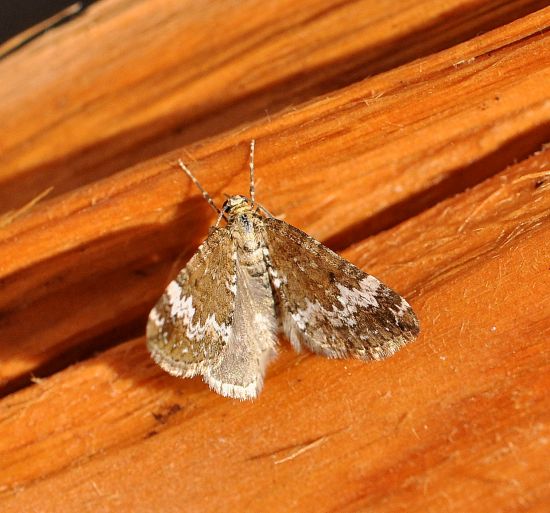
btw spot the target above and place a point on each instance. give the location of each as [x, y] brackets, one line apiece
[412, 144]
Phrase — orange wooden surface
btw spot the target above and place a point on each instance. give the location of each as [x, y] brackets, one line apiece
[129, 80]
[464, 408]
[433, 176]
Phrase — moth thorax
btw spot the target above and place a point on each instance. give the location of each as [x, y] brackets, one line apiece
[236, 205]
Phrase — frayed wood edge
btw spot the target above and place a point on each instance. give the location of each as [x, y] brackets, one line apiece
[12, 215]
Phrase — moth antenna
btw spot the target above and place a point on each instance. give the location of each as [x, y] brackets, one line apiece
[205, 195]
[251, 165]
[222, 215]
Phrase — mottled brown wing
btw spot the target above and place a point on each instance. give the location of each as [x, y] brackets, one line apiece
[328, 304]
[192, 321]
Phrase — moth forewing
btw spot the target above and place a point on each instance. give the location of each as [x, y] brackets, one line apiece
[192, 321]
[329, 305]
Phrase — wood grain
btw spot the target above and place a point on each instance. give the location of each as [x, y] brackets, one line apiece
[330, 168]
[457, 421]
[127, 81]
[402, 134]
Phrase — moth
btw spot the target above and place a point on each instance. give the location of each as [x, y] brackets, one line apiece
[256, 276]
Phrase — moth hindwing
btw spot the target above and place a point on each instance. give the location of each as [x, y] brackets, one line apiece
[257, 276]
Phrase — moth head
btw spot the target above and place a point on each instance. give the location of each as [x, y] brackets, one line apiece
[235, 205]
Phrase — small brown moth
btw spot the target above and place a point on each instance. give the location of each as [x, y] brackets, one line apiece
[257, 276]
